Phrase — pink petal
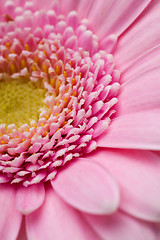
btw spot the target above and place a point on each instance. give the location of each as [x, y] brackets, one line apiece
[138, 175]
[139, 130]
[120, 226]
[79, 5]
[118, 15]
[147, 62]
[133, 43]
[88, 187]
[22, 233]
[44, 4]
[10, 220]
[141, 90]
[56, 220]
[28, 199]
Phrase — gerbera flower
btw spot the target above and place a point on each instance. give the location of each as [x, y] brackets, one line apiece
[79, 120]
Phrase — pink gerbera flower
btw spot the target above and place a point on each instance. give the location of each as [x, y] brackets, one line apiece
[79, 120]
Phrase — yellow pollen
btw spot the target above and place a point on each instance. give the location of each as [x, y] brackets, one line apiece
[44, 68]
[46, 132]
[55, 44]
[58, 70]
[23, 63]
[58, 84]
[26, 130]
[8, 44]
[56, 114]
[45, 52]
[13, 68]
[74, 94]
[34, 68]
[52, 82]
[36, 59]
[27, 47]
[65, 74]
[20, 101]
[73, 81]
[47, 117]
[65, 122]
[3, 142]
[65, 99]
[57, 103]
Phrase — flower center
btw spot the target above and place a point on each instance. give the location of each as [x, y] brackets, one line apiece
[20, 101]
[58, 89]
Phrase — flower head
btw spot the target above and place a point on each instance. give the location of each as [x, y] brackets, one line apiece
[58, 93]
[75, 138]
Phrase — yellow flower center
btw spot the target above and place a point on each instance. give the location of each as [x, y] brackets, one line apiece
[20, 101]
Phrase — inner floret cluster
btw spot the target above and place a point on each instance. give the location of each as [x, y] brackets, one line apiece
[60, 60]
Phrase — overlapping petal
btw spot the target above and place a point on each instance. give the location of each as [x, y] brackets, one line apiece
[114, 17]
[28, 199]
[139, 130]
[141, 90]
[22, 233]
[122, 227]
[10, 220]
[79, 6]
[81, 186]
[56, 220]
[142, 36]
[137, 173]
